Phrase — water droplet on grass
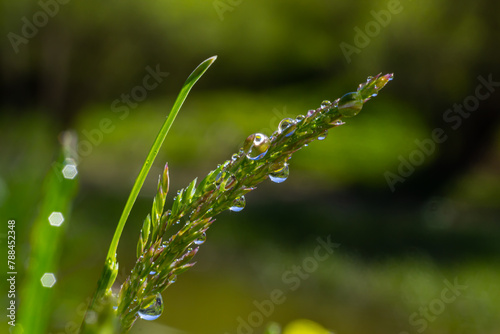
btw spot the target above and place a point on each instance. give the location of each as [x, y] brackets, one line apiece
[336, 103]
[280, 174]
[257, 145]
[201, 239]
[350, 104]
[153, 310]
[238, 204]
[338, 122]
[230, 183]
[323, 135]
[287, 126]
[218, 178]
[326, 104]
[310, 112]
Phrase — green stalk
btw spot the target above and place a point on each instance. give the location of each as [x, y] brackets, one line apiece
[110, 269]
[47, 241]
[191, 80]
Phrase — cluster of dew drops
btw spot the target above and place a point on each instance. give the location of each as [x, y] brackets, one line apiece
[349, 105]
[259, 144]
[154, 309]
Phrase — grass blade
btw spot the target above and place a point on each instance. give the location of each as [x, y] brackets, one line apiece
[111, 266]
[46, 240]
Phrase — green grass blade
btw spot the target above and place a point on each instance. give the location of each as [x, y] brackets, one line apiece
[191, 80]
[46, 240]
[110, 267]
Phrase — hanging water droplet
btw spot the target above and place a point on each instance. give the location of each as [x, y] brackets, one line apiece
[287, 126]
[218, 178]
[238, 204]
[337, 123]
[326, 104]
[231, 182]
[350, 104]
[201, 239]
[257, 144]
[310, 112]
[280, 175]
[153, 310]
[323, 135]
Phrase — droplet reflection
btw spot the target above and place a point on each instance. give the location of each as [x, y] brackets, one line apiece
[238, 204]
[153, 310]
[280, 175]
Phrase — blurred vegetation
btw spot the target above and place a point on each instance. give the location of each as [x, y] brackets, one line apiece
[276, 59]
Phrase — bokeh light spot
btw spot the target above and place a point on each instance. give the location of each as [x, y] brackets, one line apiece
[56, 219]
[48, 280]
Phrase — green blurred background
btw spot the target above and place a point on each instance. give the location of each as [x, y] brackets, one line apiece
[276, 59]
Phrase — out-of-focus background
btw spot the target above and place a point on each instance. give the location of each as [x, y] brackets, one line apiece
[409, 189]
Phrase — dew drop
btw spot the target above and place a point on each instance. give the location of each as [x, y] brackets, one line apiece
[280, 175]
[257, 145]
[323, 135]
[172, 279]
[238, 204]
[382, 81]
[201, 239]
[153, 310]
[218, 178]
[231, 182]
[287, 126]
[299, 118]
[350, 104]
[326, 104]
[234, 157]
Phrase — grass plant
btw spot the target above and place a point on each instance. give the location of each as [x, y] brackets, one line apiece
[169, 239]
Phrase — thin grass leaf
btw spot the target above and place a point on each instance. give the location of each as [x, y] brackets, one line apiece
[108, 276]
[46, 240]
[145, 231]
[190, 191]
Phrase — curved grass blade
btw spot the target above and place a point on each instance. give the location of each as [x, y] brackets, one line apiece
[110, 270]
[191, 80]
